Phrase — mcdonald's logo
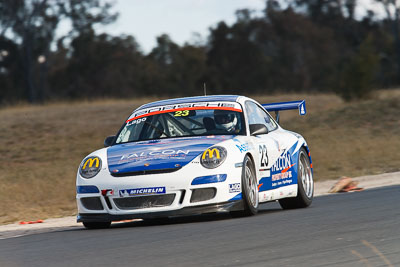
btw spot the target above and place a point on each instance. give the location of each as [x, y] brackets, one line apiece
[91, 161]
[210, 153]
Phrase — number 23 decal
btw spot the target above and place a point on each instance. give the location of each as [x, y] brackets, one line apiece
[181, 113]
[262, 149]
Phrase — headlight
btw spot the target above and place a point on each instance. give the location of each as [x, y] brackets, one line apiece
[213, 157]
[90, 167]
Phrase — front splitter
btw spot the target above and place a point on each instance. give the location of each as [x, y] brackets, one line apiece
[213, 208]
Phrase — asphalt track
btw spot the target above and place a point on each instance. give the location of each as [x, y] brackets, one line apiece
[350, 229]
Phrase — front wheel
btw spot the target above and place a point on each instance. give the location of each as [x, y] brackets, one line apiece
[305, 184]
[249, 190]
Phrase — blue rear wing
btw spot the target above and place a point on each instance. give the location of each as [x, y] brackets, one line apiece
[300, 105]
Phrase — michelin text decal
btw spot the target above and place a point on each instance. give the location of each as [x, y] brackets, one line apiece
[141, 191]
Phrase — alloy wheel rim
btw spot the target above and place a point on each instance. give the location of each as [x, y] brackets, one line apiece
[251, 186]
[306, 176]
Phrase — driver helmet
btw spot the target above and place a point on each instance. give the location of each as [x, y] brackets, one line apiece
[225, 120]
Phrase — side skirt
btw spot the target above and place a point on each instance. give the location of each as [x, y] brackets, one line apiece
[278, 193]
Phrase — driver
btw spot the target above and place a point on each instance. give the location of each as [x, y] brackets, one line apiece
[226, 120]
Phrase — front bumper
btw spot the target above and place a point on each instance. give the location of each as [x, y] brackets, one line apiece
[195, 210]
[172, 194]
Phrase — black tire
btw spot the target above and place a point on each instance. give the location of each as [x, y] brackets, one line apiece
[96, 225]
[305, 188]
[249, 190]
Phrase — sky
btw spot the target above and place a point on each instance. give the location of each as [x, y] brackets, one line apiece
[180, 19]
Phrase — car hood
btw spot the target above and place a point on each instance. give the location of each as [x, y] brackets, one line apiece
[154, 155]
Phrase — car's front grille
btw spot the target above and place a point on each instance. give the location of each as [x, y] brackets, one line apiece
[144, 172]
[92, 203]
[142, 202]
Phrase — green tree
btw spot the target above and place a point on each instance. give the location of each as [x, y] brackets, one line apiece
[392, 9]
[235, 59]
[11, 88]
[179, 70]
[320, 10]
[100, 66]
[359, 74]
[305, 54]
[33, 23]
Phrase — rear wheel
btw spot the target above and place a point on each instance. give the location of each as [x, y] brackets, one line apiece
[249, 190]
[305, 182]
[96, 225]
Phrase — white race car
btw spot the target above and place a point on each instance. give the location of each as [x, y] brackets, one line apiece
[195, 155]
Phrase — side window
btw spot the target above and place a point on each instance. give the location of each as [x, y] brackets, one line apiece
[271, 125]
[257, 115]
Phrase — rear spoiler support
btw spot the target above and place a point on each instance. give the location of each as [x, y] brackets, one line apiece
[277, 116]
[300, 105]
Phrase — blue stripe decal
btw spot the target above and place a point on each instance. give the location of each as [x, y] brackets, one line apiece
[283, 172]
[86, 189]
[237, 197]
[209, 179]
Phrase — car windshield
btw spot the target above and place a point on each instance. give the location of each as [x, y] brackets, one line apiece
[192, 120]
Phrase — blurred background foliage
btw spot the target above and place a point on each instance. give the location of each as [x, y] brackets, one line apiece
[301, 46]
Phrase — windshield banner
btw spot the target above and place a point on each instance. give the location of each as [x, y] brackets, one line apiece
[233, 106]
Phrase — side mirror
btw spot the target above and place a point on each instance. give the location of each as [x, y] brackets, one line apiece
[109, 140]
[256, 129]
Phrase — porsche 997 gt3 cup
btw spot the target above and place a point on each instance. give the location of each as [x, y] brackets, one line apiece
[195, 155]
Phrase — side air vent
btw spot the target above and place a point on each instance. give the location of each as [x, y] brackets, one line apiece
[203, 194]
[92, 203]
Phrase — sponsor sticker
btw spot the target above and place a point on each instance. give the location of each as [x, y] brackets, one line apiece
[243, 147]
[283, 162]
[141, 191]
[281, 171]
[282, 183]
[210, 153]
[138, 121]
[234, 188]
[162, 154]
